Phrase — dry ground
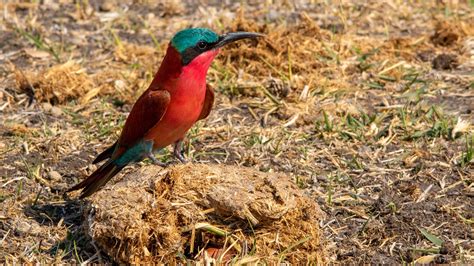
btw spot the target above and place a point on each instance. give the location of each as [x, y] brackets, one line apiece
[367, 105]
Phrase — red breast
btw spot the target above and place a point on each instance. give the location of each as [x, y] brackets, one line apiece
[187, 87]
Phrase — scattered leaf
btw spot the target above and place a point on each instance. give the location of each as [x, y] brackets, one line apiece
[432, 238]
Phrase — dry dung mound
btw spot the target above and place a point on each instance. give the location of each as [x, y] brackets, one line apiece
[205, 213]
[57, 84]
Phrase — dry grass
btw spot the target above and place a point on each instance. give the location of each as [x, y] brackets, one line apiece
[367, 106]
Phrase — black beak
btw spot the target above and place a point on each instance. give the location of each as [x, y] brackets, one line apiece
[235, 36]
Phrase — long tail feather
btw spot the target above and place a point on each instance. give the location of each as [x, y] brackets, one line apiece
[92, 188]
[97, 179]
[105, 154]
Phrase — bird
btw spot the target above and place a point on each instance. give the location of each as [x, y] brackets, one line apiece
[176, 99]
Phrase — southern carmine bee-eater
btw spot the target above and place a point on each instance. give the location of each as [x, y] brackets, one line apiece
[177, 97]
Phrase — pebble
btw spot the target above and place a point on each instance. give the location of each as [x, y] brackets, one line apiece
[120, 84]
[54, 176]
[27, 228]
[46, 106]
[56, 111]
[106, 6]
[150, 16]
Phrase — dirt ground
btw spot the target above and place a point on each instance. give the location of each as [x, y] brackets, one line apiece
[367, 105]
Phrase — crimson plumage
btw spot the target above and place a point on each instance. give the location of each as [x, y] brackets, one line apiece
[177, 97]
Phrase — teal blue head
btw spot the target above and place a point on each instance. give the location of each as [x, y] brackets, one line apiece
[189, 38]
[192, 42]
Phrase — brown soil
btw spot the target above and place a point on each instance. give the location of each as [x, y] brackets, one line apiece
[343, 98]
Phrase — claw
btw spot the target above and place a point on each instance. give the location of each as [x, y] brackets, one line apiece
[178, 151]
[155, 161]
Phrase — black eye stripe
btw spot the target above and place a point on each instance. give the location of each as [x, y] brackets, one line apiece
[192, 52]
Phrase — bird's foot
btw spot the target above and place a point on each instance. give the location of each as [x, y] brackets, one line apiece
[156, 161]
[178, 151]
[180, 157]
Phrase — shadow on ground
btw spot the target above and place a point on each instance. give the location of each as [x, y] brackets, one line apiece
[77, 245]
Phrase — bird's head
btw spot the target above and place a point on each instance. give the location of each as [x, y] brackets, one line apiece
[201, 44]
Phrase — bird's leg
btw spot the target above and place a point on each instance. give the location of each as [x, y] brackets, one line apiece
[151, 155]
[178, 151]
[155, 161]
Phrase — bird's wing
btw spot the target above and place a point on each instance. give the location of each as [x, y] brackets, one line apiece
[208, 102]
[147, 111]
[145, 114]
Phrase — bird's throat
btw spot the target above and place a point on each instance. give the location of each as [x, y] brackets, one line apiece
[171, 69]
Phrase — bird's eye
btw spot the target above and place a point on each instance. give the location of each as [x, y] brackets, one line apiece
[202, 45]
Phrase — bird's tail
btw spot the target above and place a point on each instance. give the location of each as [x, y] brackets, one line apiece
[105, 154]
[97, 179]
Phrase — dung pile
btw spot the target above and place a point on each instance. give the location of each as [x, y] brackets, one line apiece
[205, 213]
[57, 84]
